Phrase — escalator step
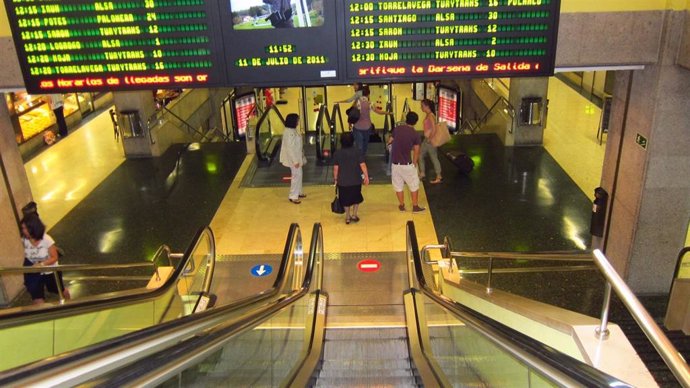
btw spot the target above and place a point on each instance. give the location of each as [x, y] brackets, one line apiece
[373, 349]
[366, 382]
[337, 370]
[358, 334]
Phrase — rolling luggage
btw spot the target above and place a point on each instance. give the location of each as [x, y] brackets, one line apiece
[460, 159]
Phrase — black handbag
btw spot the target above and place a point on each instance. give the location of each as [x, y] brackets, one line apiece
[352, 114]
[336, 206]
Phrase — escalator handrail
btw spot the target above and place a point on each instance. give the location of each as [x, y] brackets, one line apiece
[257, 139]
[72, 267]
[585, 256]
[336, 112]
[543, 358]
[188, 353]
[81, 365]
[323, 113]
[679, 263]
[108, 300]
[652, 331]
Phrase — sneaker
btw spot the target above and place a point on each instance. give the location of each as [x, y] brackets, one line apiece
[417, 209]
[303, 196]
[401, 208]
[295, 201]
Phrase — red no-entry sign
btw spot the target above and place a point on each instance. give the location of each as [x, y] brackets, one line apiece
[369, 265]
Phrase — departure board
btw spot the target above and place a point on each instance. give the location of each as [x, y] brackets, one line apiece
[86, 45]
[77, 45]
[418, 39]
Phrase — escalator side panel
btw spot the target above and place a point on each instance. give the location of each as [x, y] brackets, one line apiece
[36, 341]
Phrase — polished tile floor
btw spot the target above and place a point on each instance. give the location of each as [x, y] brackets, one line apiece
[64, 174]
[129, 200]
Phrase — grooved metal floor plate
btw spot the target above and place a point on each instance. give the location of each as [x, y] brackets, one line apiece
[355, 298]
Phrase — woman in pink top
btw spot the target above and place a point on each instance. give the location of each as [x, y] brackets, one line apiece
[427, 148]
[362, 128]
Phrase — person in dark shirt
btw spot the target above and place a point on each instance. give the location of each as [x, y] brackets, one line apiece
[406, 141]
[349, 172]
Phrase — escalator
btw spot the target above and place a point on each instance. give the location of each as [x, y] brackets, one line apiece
[267, 136]
[174, 290]
[280, 337]
[328, 126]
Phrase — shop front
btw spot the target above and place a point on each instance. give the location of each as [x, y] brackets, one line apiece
[34, 122]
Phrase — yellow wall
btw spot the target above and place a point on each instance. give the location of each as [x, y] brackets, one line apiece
[622, 5]
[4, 23]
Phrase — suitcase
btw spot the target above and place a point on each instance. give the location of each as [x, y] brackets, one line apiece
[461, 161]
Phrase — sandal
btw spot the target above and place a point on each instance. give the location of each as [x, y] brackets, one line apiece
[437, 180]
[347, 221]
[355, 219]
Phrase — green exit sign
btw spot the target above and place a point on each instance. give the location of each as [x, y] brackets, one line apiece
[641, 141]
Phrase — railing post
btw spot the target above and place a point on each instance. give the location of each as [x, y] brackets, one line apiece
[602, 332]
[491, 269]
[61, 295]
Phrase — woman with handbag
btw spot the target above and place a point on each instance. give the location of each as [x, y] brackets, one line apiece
[363, 127]
[428, 148]
[349, 172]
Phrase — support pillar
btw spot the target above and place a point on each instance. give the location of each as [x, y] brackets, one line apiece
[144, 103]
[523, 90]
[15, 193]
[647, 166]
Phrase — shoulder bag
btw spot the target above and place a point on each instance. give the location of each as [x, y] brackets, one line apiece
[441, 135]
[336, 206]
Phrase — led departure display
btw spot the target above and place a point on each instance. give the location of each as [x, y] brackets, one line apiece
[82, 45]
[391, 39]
[77, 45]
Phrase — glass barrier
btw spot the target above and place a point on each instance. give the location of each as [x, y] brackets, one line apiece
[192, 284]
[271, 126]
[261, 357]
[467, 358]
[41, 336]
[574, 284]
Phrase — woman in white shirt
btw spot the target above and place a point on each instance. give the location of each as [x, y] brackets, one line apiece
[39, 250]
[292, 156]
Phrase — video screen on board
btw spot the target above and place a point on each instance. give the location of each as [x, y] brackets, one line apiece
[264, 14]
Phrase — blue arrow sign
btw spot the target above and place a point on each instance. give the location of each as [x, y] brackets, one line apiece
[261, 270]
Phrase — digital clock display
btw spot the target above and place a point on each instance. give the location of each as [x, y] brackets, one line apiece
[432, 39]
[83, 45]
[277, 42]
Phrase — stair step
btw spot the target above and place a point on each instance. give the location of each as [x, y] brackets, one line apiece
[364, 366]
[339, 372]
[399, 382]
[365, 349]
[369, 333]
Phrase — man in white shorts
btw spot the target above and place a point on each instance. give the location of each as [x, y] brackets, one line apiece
[406, 141]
